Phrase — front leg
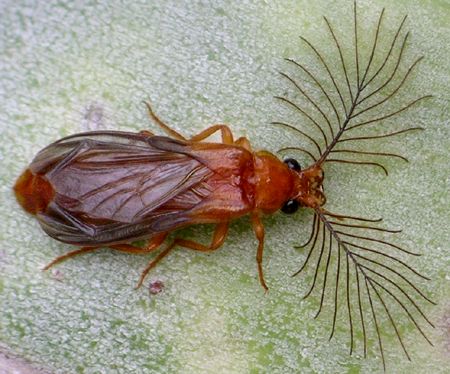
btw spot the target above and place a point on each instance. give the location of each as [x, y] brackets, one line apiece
[258, 227]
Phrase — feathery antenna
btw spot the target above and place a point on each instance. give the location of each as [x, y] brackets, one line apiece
[359, 271]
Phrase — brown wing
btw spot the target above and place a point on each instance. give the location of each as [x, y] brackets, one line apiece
[112, 186]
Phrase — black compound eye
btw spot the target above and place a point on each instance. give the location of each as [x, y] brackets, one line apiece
[292, 164]
[291, 206]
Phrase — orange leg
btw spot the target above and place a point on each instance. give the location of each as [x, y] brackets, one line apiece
[164, 126]
[259, 232]
[244, 143]
[153, 244]
[218, 238]
[227, 135]
[67, 255]
[146, 133]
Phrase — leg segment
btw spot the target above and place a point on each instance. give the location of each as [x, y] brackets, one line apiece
[146, 133]
[244, 143]
[67, 255]
[161, 124]
[152, 264]
[227, 135]
[218, 238]
[153, 244]
[259, 232]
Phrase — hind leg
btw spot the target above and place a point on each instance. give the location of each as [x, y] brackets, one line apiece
[219, 236]
[152, 245]
[67, 255]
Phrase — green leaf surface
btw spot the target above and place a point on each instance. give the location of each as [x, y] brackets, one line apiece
[69, 67]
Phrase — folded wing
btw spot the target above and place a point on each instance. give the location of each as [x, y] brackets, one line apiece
[115, 186]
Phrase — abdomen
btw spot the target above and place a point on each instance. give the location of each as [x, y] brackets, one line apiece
[113, 187]
[33, 192]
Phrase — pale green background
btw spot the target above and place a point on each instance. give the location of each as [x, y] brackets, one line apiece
[67, 67]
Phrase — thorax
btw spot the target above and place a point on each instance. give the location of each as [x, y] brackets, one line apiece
[272, 181]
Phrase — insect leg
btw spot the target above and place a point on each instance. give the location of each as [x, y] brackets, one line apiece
[152, 245]
[152, 264]
[67, 255]
[219, 237]
[259, 232]
[227, 135]
[244, 143]
[146, 133]
[161, 124]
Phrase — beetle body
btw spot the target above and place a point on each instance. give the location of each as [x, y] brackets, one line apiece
[78, 192]
[131, 186]
[110, 188]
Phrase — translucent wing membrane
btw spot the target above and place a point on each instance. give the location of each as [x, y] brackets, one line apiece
[356, 267]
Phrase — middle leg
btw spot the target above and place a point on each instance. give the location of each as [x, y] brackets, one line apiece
[244, 143]
[227, 135]
[220, 233]
[163, 125]
[151, 246]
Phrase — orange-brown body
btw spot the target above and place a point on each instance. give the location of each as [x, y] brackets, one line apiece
[110, 188]
[33, 192]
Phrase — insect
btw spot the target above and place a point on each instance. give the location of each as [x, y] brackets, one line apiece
[109, 188]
